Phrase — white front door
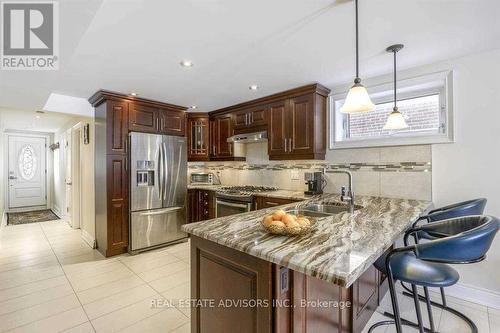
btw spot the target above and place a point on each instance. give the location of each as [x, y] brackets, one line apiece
[68, 178]
[27, 171]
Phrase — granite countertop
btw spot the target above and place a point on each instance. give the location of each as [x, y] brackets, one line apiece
[282, 194]
[340, 247]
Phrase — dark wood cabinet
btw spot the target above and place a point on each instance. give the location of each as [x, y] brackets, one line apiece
[116, 115]
[297, 128]
[299, 298]
[224, 274]
[301, 125]
[201, 205]
[117, 193]
[143, 118]
[198, 137]
[295, 121]
[250, 118]
[172, 122]
[223, 129]
[277, 128]
[267, 202]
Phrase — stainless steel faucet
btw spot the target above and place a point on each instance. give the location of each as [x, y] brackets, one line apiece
[346, 196]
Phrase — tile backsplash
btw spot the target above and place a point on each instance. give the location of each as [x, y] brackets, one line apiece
[398, 172]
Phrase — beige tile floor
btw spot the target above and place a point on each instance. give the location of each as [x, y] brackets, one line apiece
[51, 281]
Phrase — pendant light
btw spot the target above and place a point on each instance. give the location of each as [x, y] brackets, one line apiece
[357, 99]
[395, 121]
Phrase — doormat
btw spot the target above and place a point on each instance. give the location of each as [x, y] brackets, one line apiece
[31, 217]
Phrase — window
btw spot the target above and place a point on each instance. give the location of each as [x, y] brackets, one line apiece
[27, 162]
[425, 102]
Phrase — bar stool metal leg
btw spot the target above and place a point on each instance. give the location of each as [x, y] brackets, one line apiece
[417, 309]
[429, 309]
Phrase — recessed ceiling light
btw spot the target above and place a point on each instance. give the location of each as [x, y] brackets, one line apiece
[193, 107]
[133, 94]
[186, 63]
[253, 87]
[37, 117]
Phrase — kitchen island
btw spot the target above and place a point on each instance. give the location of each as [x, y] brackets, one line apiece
[320, 282]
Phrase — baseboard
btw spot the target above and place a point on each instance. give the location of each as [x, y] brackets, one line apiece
[475, 295]
[88, 239]
[57, 211]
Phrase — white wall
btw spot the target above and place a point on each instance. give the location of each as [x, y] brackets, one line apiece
[469, 168]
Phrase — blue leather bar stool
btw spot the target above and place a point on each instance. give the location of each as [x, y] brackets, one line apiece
[425, 264]
[465, 208]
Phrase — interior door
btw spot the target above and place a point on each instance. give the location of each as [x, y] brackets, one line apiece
[27, 171]
[68, 179]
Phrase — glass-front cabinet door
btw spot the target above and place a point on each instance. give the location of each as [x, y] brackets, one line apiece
[198, 136]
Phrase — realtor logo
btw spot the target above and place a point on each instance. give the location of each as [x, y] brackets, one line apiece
[30, 35]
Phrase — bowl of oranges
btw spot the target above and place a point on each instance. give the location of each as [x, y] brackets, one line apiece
[282, 223]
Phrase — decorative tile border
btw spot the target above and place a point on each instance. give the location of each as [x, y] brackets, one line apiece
[377, 167]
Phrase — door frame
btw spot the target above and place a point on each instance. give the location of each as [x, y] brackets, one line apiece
[76, 174]
[48, 166]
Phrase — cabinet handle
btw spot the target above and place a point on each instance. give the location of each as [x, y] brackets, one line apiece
[231, 149]
[290, 145]
[269, 203]
[285, 145]
[214, 150]
[251, 117]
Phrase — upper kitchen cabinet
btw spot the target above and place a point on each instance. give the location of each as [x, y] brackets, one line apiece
[250, 118]
[143, 118]
[297, 127]
[223, 129]
[172, 122]
[198, 135]
[295, 121]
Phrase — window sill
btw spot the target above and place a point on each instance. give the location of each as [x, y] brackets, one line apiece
[391, 141]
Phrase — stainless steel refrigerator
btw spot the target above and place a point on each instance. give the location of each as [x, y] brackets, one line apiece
[158, 171]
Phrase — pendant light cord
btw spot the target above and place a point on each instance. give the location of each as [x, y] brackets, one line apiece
[357, 44]
[395, 81]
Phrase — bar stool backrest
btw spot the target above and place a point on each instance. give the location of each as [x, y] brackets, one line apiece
[466, 208]
[465, 247]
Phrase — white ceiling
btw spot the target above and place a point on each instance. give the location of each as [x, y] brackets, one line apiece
[49, 122]
[136, 46]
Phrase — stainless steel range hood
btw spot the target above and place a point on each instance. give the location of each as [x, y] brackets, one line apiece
[249, 137]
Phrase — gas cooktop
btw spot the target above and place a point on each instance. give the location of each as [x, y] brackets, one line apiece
[242, 192]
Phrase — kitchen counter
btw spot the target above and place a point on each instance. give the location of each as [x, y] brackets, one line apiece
[338, 250]
[280, 194]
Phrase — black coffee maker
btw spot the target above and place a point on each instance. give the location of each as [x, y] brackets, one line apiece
[314, 182]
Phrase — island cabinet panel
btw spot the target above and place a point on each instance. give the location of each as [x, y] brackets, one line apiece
[223, 274]
[298, 303]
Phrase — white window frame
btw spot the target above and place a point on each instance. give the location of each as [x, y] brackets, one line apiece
[382, 92]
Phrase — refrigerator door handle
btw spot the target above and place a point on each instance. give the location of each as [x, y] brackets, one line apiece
[166, 171]
[160, 172]
[161, 212]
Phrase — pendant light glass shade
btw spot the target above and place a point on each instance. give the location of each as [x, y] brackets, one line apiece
[395, 121]
[357, 100]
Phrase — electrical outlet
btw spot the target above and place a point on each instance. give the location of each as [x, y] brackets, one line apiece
[295, 175]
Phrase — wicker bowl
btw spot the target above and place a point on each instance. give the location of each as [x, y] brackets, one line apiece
[284, 231]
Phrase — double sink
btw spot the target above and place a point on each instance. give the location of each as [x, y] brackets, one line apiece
[319, 210]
